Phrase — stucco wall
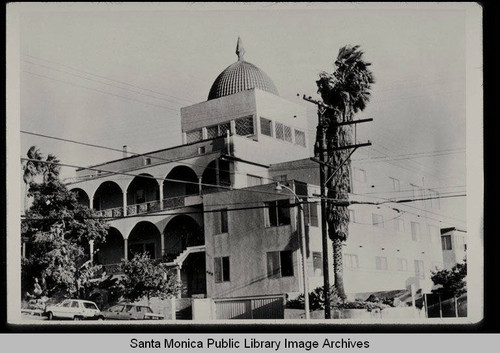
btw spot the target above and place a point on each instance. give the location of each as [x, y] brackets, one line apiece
[247, 243]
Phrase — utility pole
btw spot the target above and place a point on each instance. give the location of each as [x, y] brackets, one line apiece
[324, 167]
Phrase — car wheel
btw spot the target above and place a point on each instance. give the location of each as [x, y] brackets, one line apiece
[77, 318]
[100, 318]
[50, 316]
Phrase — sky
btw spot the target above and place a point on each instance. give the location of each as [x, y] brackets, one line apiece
[118, 74]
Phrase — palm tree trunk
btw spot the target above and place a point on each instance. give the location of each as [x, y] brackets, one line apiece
[338, 267]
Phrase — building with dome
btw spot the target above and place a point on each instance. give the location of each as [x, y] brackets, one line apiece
[211, 211]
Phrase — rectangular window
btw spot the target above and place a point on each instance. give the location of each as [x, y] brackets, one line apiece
[381, 263]
[147, 161]
[220, 222]
[221, 269]
[266, 127]
[351, 261]
[287, 133]
[253, 180]
[279, 131]
[280, 178]
[446, 242]
[300, 138]
[201, 150]
[212, 131]
[415, 231]
[193, 136]
[402, 264]
[311, 214]
[279, 264]
[419, 269]
[434, 233]
[317, 264]
[244, 126]
[277, 213]
[352, 216]
[377, 220]
[399, 225]
[395, 184]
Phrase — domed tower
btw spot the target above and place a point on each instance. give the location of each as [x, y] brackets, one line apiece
[244, 107]
[241, 76]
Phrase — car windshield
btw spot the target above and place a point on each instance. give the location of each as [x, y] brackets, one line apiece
[148, 310]
[129, 308]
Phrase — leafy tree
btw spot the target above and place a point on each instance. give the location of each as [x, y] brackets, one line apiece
[144, 277]
[347, 91]
[57, 229]
[452, 283]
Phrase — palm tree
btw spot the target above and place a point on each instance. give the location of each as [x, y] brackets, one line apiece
[31, 168]
[35, 166]
[346, 91]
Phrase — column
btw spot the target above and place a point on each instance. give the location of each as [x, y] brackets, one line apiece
[184, 138]
[179, 280]
[125, 203]
[23, 250]
[91, 203]
[162, 241]
[91, 246]
[125, 249]
[161, 195]
[200, 187]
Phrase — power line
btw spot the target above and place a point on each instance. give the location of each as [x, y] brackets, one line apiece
[107, 78]
[99, 91]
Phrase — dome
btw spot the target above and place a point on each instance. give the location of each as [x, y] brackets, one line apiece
[241, 76]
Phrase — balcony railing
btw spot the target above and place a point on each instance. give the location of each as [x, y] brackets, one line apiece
[145, 207]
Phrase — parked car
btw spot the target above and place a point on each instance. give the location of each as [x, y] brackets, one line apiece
[75, 309]
[127, 311]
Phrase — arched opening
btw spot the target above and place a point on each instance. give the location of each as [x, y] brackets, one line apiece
[187, 186]
[216, 173]
[143, 195]
[182, 231]
[145, 237]
[111, 251]
[81, 196]
[108, 196]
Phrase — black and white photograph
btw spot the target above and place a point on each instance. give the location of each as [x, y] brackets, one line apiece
[237, 163]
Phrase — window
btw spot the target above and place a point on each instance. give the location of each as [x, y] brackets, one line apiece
[317, 264]
[381, 263]
[253, 180]
[287, 133]
[193, 136]
[311, 214]
[74, 304]
[220, 222]
[244, 126]
[395, 184]
[352, 216]
[279, 264]
[446, 242]
[266, 127]
[402, 264]
[66, 304]
[89, 306]
[201, 150]
[300, 138]
[351, 261]
[277, 213]
[147, 161]
[280, 178]
[360, 175]
[419, 269]
[279, 133]
[415, 231]
[399, 225]
[218, 130]
[221, 269]
[377, 220]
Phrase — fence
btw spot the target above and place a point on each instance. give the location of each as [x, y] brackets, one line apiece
[436, 306]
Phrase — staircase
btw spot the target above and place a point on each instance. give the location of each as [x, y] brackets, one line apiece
[183, 255]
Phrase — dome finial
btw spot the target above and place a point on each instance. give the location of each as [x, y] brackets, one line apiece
[240, 51]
